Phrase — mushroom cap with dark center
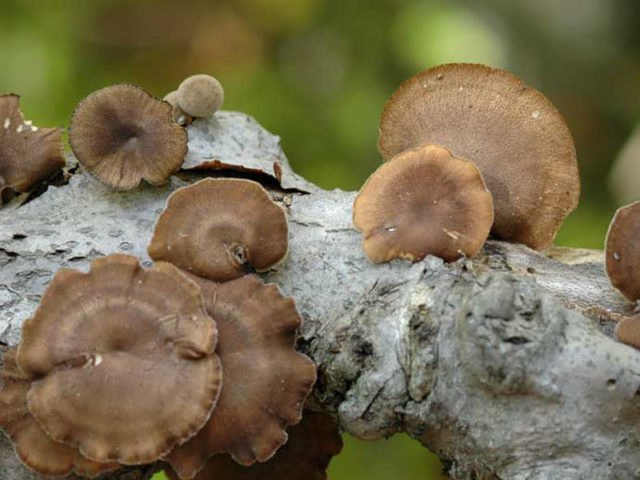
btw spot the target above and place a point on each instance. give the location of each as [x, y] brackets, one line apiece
[306, 455]
[123, 358]
[628, 331]
[200, 95]
[122, 134]
[34, 448]
[221, 228]
[511, 131]
[622, 251]
[424, 201]
[266, 380]
[28, 154]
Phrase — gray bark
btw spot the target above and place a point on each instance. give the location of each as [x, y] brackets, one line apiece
[503, 365]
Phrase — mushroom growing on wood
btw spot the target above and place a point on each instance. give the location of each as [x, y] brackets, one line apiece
[517, 138]
[124, 360]
[266, 380]
[179, 116]
[220, 229]
[122, 134]
[32, 445]
[622, 251]
[306, 455]
[628, 331]
[423, 201]
[28, 154]
[200, 95]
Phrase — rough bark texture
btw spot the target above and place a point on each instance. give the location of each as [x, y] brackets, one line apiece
[502, 365]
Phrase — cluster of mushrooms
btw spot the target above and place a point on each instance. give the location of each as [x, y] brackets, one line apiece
[191, 362]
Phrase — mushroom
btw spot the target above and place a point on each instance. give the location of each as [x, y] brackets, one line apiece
[200, 95]
[628, 331]
[424, 201]
[511, 131]
[179, 116]
[124, 360]
[306, 455]
[122, 134]
[28, 154]
[221, 228]
[622, 251]
[266, 380]
[32, 445]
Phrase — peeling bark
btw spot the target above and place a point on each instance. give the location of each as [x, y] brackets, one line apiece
[503, 365]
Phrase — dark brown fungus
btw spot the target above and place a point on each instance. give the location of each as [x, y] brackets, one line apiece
[306, 455]
[517, 138]
[32, 445]
[424, 201]
[122, 134]
[124, 360]
[266, 380]
[622, 251]
[28, 154]
[220, 229]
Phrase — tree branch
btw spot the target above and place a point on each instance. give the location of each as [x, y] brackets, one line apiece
[502, 365]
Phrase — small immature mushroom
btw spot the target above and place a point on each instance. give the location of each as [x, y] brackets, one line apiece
[200, 95]
[515, 136]
[179, 116]
[28, 154]
[221, 228]
[424, 201]
[122, 134]
[124, 359]
[306, 455]
[622, 251]
[32, 445]
[266, 380]
[628, 331]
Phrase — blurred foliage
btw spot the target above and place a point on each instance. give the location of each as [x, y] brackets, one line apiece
[318, 73]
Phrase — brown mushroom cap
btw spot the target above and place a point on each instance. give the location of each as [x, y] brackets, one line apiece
[179, 116]
[122, 134]
[28, 154]
[124, 360]
[220, 228]
[200, 95]
[34, 448]
[628, 331]
[622, 251]
[424, 201]
[266, 380]
[306, 455]
[511, 131]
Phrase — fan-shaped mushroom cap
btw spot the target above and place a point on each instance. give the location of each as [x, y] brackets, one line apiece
[122, 134]
[628, 331]
[306, 455]
[424, 201]
[622, 251]
[124, 358]
[266, 380]
[28, 154]
[220, 228]
[511, 131]
[200, 95]
[34, 448]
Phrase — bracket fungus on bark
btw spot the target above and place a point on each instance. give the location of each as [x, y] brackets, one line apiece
[101, 342]
[424, 201]
[28, 154]
[200, 95]
[122, 134]
[622, 251]
[306, 455]
[514, 134]
[32, 445]
[220, 229]
[266, 380]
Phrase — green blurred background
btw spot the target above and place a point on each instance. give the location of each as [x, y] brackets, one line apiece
[318, 73]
